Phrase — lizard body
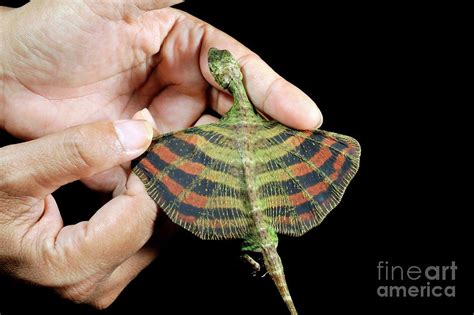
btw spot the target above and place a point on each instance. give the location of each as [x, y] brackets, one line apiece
[246, 177]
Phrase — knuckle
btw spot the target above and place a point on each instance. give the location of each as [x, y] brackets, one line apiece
[148, 213]
[9, 169]
[102, 302]
[76, 151]
[12, 207]
[78, 293]
[249, 59]
[73, 295]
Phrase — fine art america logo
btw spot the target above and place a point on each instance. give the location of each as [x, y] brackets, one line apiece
[413, 281]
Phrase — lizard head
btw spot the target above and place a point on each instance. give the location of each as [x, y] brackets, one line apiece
[223, 66]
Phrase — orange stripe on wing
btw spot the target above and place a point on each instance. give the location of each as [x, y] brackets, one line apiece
[284, 220]
[307, 216]
[165, 154]
[341, 159]
[189, 138]
[300, 169]
[300, 198]
[186, 218]
[337, 165]
[149, 166]
[321, 157]
[318, 188]
[329, 141]
[324, 153]
[172, 186]
[297, 199]
[296, 141]
[191, 168]
[195, 200]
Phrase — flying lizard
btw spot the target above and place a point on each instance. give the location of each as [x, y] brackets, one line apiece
[247, 177]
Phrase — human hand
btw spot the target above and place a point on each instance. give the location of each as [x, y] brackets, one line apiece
[91, 261]
[65, 63]
[70, 63]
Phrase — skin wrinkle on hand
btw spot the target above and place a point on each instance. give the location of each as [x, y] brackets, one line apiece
[3, 71]
[2, 93]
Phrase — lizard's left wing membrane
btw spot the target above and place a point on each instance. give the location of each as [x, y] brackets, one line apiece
[302, 175]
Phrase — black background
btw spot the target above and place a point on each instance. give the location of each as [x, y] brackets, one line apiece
[380, 74]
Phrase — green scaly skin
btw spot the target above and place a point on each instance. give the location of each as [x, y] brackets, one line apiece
[226, 72]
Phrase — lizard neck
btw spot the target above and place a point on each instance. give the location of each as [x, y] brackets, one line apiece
[242, 108]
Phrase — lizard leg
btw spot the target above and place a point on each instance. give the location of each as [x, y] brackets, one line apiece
[252, 262]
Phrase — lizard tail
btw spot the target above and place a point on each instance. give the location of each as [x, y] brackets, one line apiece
[275, 269]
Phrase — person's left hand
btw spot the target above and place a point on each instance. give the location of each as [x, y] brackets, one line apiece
[91, 261]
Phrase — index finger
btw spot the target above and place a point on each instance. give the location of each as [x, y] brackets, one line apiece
[267, 90]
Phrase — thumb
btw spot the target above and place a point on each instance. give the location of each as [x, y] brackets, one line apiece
[37, 168]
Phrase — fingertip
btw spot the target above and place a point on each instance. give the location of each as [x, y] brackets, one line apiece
[292, 107]
[306, 116]
[149, 133]
[134, 135]
[314, 117]
[305, 111]
[206, 119]
[145, 114]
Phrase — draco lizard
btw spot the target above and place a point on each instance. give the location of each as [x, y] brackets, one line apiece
[246, 177]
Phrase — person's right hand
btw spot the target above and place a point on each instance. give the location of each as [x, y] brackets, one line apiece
[89, 262]
[64, 63]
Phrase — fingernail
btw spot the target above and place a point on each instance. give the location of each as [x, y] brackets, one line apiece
[144, 114]
[318, 116]
[133, 134]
